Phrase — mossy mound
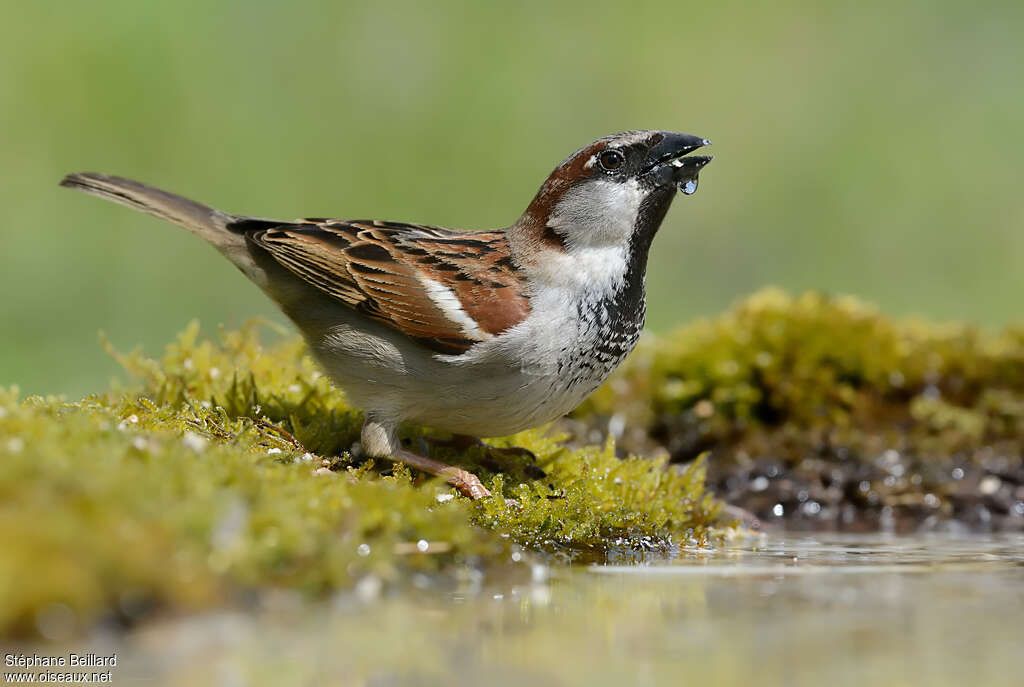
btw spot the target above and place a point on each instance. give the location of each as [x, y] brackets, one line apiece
[196, 488]
[832, 405]
[230, 467]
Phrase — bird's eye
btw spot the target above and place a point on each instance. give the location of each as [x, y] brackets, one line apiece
[611, 160]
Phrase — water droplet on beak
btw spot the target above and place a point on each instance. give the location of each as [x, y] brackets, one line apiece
[688, 187]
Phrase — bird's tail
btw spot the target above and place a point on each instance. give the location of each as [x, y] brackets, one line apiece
[200, 219]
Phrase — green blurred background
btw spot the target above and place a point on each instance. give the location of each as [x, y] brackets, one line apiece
[864, 147]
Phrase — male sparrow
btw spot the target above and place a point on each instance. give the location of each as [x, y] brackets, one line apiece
[479, 333]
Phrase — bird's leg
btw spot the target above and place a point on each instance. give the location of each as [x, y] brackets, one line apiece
[380, 441]
[467, 483]
[462, 442]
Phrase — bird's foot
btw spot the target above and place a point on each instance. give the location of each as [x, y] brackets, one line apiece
[462, 442]
[465, 482]
[468, 484]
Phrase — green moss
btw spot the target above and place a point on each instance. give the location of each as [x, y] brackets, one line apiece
[818, 368]
[197, 486]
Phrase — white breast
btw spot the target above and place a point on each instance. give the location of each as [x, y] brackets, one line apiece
[530, 375]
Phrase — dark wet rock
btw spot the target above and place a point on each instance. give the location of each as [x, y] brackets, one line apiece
[825, 410]
[835, 486]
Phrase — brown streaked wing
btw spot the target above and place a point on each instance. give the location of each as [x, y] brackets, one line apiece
[485, 279]
[381, 268]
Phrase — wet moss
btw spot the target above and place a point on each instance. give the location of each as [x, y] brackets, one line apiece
[230, 467]
[821, 403]
[818, 361]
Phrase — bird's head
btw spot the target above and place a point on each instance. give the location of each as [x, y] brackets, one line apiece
[613, 192]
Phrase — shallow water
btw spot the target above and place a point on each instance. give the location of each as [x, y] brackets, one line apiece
[779, 610]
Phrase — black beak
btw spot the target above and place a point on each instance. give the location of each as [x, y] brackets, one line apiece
[674, 145]
[689, 166]
[667, 165]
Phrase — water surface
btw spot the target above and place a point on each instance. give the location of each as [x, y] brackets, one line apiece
[779, 610]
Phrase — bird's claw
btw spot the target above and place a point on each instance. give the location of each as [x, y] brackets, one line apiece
[468, 484]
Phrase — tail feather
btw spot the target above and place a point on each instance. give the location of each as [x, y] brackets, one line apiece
[226, 232]
[200, 219]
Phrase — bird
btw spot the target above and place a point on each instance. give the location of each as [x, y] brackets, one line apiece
[474, 333]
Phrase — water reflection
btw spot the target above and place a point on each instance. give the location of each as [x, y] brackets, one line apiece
[775, 610]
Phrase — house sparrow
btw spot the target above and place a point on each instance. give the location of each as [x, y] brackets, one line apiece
[479, 333]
